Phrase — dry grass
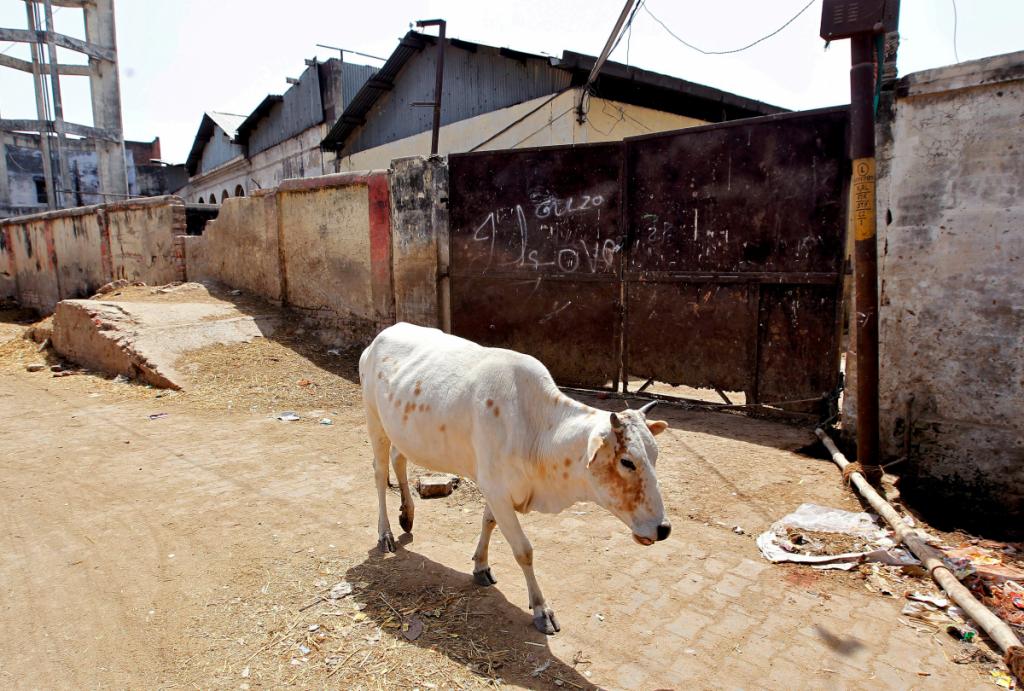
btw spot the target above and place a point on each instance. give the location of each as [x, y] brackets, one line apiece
[289, 372]
[282, 628]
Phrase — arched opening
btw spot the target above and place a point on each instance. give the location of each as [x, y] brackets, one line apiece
[223, 195]
[239, 192]
[213, 198]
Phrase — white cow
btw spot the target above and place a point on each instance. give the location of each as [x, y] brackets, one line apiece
[496, 416]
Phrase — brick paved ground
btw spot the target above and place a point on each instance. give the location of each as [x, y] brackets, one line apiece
[117, 533]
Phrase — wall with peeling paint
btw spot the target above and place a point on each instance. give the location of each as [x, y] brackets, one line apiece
[951, 262]
[419, 216]
[321, 246]
[70, 253]
[239, 247]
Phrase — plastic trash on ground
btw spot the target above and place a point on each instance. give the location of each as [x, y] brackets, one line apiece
[829, 538]
[288, 416]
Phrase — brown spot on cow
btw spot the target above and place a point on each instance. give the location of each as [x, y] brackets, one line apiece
[405, 419]
[489, 402]
[398, 403]
[416, 391]
[565, 474]
[497, 411]
[626, 491]
[423, 407]
[568, 462]
[380, 375]
[410, 408]
[525, 559]
[441, 429]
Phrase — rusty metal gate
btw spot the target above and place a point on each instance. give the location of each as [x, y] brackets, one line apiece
[709, 257]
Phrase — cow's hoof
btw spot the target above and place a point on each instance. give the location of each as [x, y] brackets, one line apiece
[405, 520]
[546, 623]
[386, 542]
[484, 577]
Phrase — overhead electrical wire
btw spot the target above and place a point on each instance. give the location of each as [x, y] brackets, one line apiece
[734, 50]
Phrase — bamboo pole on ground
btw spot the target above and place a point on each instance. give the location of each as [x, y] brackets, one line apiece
[998, 630]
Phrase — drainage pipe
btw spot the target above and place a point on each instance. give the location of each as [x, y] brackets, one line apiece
[997, 629]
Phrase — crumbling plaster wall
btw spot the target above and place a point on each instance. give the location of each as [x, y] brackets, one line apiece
[419, 215]
[72, 252]
[239, 247]
[951, 253]
[321, 246]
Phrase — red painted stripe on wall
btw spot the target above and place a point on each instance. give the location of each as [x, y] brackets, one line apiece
[380, 244]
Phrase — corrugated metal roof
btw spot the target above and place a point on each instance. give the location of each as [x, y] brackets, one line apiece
[261, 111]
[353, 77]
[480, 79]
[366, 97]
[662, 92]
[227, 122]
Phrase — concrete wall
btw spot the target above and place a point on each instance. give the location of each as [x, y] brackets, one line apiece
[419, 215]
[142, 237]
[239, 248]
[82, 252]
[8, 281]
[35, 264]
[297, 157]
[215, 183]
[70, 253]
[327, 245]
[322, 246]
[951, 253]
[545, 121]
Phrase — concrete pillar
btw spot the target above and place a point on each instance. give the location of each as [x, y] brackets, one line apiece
[106, 100]
[5, 189]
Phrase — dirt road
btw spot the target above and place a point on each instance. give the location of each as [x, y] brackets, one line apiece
[197, 549]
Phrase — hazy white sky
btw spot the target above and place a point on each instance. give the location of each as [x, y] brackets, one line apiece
[181, 57]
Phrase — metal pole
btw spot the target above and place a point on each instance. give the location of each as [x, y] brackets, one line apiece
[58, 113]
[438, 80]
[599, 63]
[862, 223]
[41, 114]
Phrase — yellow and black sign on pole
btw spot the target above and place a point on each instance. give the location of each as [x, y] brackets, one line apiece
[863, 22]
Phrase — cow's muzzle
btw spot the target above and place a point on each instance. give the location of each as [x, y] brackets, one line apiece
[664, 530]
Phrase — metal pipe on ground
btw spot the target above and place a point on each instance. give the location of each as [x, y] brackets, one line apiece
[998, 630]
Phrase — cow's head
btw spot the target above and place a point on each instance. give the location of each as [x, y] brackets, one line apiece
[621, 454]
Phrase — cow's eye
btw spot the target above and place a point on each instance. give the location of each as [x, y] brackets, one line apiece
[628, 463]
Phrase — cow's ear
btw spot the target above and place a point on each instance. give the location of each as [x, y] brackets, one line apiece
[594, 444]
[657, 426]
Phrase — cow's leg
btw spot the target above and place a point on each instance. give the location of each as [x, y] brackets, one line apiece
[481, 569]
[408, 510]
[381, 449]
[543, 617]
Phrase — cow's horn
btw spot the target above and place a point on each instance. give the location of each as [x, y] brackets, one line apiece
[647, 407]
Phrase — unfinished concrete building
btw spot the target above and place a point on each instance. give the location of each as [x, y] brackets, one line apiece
[60, 141]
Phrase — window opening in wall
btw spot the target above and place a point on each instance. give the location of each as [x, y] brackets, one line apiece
[40, 188]
[223, 195]
[239, 192]
[213, 198]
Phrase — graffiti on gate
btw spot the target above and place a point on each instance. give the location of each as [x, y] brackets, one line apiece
[548, 231]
